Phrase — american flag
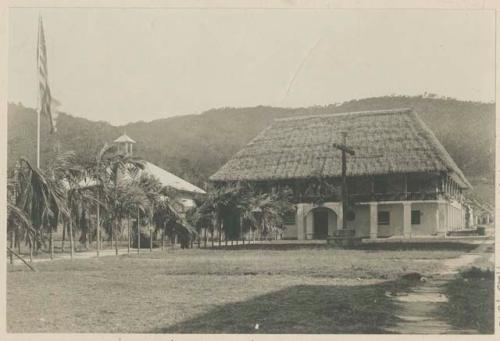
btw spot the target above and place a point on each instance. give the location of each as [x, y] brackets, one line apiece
[45, 99]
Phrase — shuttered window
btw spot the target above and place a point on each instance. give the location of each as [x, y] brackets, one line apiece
[384, 218]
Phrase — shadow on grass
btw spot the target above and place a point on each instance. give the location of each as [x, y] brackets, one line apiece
[419, 246]
[385, 246]
[280, 246]
[314, 309]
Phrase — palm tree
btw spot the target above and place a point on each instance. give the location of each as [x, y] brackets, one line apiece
[264, 211]
[42, 198]
[220, 202]
[108, 169]
[62, 169]
[151, 188]
[19, 225]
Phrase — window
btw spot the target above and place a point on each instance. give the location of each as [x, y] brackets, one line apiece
[384, 218]
[289, 218]
[415, 217]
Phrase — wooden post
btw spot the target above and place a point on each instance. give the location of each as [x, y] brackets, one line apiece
[138, 232]
[128, 231]
[71, 244]
[344, 178]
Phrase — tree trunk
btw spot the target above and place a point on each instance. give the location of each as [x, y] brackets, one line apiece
[150, 239]
[138, 232]
[51, 243]
[212, 236]
[11, 236]
[241, 233]
[63, 238]
[128, 231]
[98, 218]
[163, 238]
[71, 241]
[116, 238]
[220, 233]
[17, 242]
[205, 238]
[31, 248]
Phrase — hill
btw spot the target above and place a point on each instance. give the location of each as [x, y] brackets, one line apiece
[195, 146]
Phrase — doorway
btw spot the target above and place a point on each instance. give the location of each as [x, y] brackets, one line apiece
[320, 226]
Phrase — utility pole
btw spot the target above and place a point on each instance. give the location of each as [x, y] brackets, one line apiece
[345, 149]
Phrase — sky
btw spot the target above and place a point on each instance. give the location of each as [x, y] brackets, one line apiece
[127, 65]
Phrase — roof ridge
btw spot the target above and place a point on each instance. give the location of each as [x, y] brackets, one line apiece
[348, 113]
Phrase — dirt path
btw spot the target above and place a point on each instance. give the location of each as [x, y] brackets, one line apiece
[418, 309]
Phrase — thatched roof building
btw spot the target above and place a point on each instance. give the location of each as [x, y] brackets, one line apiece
[400, 182]
[385, 142]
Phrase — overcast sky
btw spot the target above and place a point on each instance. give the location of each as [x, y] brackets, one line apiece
[127, 65]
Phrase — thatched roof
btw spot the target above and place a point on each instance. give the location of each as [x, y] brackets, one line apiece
[386, 141]
[124, 138]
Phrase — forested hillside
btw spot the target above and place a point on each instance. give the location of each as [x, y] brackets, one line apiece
[195, 146]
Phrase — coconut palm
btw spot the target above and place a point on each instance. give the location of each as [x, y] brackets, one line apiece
[42, 198]
[108, 169]
[220, 202]
[264, 211]
[18, 225]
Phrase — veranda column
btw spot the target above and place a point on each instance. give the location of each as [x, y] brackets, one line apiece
[407, 219]
[438, 226]
[373, 220]
[300, 221]
[340, 218]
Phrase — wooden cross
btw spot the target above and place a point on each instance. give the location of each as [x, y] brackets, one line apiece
[345, 149]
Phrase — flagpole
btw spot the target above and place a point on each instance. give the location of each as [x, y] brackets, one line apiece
[38, 95]
[38, 138]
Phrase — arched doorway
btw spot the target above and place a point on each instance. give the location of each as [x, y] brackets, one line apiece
[321, 222]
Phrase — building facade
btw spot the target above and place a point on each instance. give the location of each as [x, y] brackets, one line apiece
[400, 182]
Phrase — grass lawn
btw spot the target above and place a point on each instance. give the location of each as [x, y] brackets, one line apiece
[472, 296]
[306, 290]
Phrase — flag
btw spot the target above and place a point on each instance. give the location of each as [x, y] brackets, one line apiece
[45, 98]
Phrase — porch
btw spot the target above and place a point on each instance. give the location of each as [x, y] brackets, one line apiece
[373, 220]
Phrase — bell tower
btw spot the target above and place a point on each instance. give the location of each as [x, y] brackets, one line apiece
[125, 144]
